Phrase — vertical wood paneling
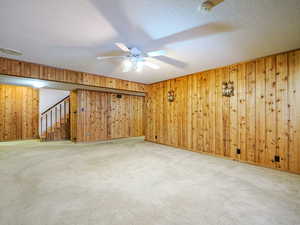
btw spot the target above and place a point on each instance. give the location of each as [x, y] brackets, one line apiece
[271, 130]
[282, 115]
[18, 113]
[104, 116]
[189, 112]
[2, 115]
[194, 98]
[212, 111]
[79, 117]
[32, 70]
[159, 113]
[233, 113]
[294, 106]
[226, 117]
[250, 112]
[260, 111]
[200, 113]
[165, 121]
[73, 115]
[241, 111]
[219, 113]
[205, 112]
[262, 119]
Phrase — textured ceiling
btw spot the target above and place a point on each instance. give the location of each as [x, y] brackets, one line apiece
[71, 33]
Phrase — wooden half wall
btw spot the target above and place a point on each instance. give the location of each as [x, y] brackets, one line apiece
[19, 113]
[32, 70]
[97, 116]
[262, 119]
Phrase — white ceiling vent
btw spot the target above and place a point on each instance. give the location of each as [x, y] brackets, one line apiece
[10, 52]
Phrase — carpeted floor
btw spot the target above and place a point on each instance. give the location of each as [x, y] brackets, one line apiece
[132, 182]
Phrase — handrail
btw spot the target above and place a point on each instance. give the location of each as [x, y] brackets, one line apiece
[55, 121]
[51, 107]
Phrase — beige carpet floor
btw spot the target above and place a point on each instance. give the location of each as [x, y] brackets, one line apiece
[132, 182]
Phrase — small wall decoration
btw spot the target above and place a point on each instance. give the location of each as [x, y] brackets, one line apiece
[171, 96]
[228, 89]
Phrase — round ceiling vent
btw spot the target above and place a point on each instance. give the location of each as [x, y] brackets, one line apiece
[10, 52]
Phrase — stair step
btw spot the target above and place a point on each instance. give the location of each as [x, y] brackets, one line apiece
[60, 127]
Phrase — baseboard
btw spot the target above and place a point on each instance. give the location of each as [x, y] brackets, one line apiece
[228, 158]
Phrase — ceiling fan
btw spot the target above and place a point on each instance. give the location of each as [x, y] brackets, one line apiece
[135, 58]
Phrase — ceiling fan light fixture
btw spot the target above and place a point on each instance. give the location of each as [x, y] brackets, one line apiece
[127, 65]
[139, 66]
[135, 59]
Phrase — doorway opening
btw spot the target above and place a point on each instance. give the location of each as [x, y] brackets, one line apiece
[54, 122]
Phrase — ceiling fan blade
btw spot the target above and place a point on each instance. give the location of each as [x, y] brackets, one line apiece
[151, 65]
[122, 46]
[156, 53]
[109, 57]
[171, 61]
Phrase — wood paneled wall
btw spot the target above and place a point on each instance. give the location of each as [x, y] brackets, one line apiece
[32, 70]
[103, 116]
[73, 115]
[19, 113]
[262, 119]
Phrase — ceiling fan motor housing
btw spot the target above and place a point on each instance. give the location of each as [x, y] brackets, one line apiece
[135, 52]
[135, 58]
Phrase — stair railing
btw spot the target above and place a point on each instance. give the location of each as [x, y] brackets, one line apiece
[56, 117]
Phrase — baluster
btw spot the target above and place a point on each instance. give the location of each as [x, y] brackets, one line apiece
[64, 109]
[51, 121]
[68, 108]
[46, 126]
[55, 116]
[55, 127]
[41, 135]
[60, 113]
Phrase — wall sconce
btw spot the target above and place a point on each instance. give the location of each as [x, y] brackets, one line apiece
[228, 89]
[171, 96]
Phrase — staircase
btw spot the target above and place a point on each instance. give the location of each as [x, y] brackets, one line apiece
[55, 121]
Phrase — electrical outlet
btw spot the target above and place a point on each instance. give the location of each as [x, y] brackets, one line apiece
[238, 151]
[277, 158]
